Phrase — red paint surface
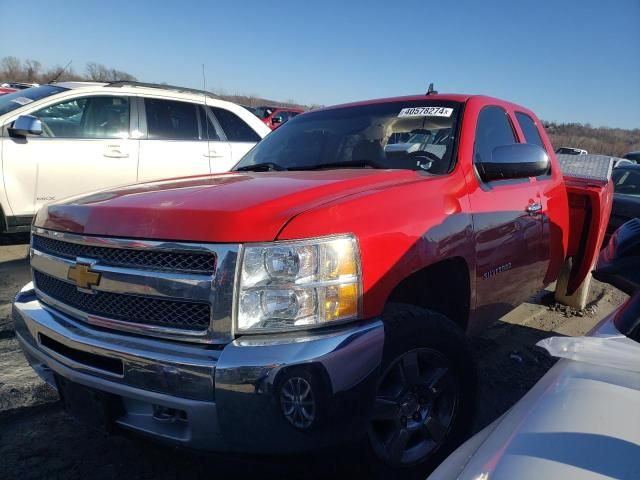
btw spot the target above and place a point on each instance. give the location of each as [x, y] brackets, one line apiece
[590, 206]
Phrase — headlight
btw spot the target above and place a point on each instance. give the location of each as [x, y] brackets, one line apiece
[298, 284]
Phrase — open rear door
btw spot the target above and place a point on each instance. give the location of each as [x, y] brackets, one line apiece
[590, 191]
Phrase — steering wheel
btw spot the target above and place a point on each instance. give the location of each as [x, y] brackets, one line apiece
[429, 157]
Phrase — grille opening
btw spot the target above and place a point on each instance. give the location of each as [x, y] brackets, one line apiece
[180, 315]
[182, 262]
[99, 362]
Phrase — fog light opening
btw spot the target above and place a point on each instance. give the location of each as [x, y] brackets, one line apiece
[167, 414]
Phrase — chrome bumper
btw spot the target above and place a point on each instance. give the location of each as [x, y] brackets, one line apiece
[229, 394]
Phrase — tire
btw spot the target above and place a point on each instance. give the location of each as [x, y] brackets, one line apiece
[432, 416]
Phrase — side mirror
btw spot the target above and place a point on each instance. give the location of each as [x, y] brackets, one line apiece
[519, 160]
[26, 125]
[276, 120]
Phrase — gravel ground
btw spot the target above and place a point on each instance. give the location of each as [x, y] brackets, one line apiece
[37, 440]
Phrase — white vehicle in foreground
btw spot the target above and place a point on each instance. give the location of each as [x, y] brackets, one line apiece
[68, 138]
[581, 421]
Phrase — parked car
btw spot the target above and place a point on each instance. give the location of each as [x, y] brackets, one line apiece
[5, 90]
[626, 197]
[67, 138]
[620, 162]
[320, 292]
[571, 151]
[633, 156]
[273, 117]
[580, 421]
[18, 85]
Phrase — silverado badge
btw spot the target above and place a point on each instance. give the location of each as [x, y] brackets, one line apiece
[83, 276]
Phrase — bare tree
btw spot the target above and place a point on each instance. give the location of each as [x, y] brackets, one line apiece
[120, 75]
[61, 74]
[11, 69]
[97, 72]
[100, 73]
[32, 71]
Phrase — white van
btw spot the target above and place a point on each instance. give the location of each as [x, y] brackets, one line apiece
[68, 138]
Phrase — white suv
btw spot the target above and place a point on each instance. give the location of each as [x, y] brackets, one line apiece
[67, 138]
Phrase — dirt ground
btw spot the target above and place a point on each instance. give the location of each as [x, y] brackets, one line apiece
[37, 440]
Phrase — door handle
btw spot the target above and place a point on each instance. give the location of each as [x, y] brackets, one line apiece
[534, 208]
[115, 152]
[213, 154]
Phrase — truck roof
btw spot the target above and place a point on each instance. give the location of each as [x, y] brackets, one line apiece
[450, 97]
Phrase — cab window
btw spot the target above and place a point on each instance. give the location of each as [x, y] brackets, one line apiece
[529, 129]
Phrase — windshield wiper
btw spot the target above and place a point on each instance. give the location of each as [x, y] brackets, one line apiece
[343, 164]
[261, 167]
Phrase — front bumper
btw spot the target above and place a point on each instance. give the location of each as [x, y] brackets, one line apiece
[228, 396]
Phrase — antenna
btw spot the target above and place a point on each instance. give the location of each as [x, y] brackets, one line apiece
[54, 79]
[431, 91]
[206, 114]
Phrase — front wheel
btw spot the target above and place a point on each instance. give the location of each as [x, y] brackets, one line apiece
[425, 395]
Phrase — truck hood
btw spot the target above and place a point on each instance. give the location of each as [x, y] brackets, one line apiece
[230, 207]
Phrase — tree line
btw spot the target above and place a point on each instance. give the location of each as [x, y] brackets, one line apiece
[602, 140]
[13, 69]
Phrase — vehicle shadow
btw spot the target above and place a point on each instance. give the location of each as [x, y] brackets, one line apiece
[508, 365]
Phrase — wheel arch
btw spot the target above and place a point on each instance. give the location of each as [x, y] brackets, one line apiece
[444, 286]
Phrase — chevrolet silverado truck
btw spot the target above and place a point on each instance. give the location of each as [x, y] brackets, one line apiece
[321, 293]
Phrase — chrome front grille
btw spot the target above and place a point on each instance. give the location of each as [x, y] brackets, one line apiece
[183, 262]
[173, 290]
[175, 314]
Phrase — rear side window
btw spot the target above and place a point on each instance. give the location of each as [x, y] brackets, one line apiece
[528, 126]
[234, 127]
[493, 130]
[170, 120]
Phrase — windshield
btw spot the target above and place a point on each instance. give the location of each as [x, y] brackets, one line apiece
[626, 181]
[415, 135]
[11, 101]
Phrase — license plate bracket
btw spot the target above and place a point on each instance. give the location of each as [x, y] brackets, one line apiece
[97, 410]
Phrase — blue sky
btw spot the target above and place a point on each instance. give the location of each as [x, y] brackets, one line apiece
[568, 60]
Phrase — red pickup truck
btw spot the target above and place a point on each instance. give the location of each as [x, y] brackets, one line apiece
[273, 117]
[319, 293]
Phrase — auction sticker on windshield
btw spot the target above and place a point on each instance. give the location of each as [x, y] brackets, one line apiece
[426, 112]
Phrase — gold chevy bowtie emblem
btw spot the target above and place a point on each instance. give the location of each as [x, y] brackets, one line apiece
[83, 276]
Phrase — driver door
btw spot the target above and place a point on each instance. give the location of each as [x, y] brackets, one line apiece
[85, 146]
